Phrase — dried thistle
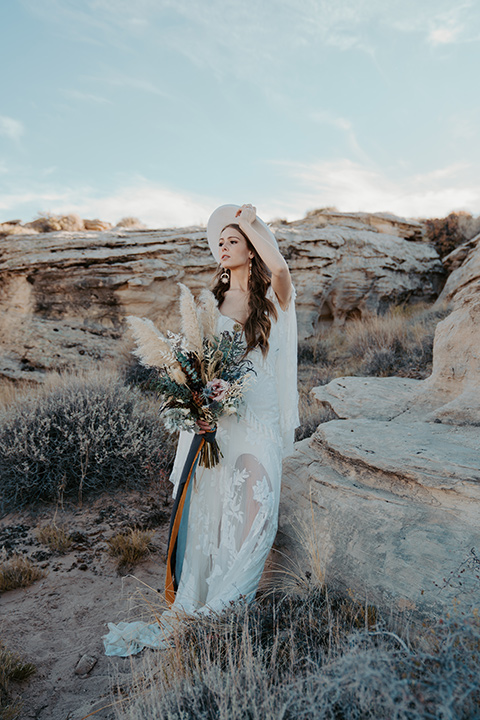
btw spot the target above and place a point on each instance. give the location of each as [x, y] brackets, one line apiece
[191, 327]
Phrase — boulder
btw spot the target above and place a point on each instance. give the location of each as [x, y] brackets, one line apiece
[386, 498]
[464, 267]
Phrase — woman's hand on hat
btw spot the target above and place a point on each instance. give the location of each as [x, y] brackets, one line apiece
[247, 213]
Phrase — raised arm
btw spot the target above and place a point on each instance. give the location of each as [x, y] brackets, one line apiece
[281, 280]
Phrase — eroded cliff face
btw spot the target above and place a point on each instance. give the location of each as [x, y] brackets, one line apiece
[388, 494]
[343, 271]
[64, 295]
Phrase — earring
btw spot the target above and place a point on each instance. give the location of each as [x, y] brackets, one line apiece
[225, 276]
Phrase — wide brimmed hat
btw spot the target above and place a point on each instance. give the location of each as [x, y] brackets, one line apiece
[225, 215]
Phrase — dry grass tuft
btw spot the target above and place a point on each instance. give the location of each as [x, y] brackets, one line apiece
[55, 537]
[131, 547]
[12, 669]
[10, 393]
[17, 571]
[312, 655]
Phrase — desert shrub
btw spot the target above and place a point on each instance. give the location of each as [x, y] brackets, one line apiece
[96, 224]
[130, 547]
[399, 342]
[12, 669]
[14, 228]
[310, 655]
[449, 232]
[313, 350]
[17, 571]
[47, 222]
[87, 435]
[130, 222]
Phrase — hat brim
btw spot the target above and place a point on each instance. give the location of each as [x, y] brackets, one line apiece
[225, 215]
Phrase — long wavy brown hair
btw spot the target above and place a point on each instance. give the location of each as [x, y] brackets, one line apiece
[260, 309]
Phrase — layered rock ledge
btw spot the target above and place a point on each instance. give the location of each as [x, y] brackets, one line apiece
[64, 295]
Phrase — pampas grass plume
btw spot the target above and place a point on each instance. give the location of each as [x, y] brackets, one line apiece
[208, 313]
[190, 323]
[152, 348]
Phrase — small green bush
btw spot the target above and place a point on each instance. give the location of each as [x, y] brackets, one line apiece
[86, 435]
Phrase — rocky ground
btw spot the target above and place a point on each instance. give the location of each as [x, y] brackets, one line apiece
[58, 622]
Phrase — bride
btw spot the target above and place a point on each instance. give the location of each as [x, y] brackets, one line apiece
[229, 527]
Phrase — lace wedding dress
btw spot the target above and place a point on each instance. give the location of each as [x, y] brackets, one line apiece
[233, 513]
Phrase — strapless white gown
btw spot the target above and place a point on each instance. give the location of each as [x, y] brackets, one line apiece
[233, 512]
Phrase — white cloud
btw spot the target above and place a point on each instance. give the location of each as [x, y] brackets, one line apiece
[85, 97]
[154, 205]
[344, 184]
[11, 128]
[249, 30]
[443, 35]
[350, 186]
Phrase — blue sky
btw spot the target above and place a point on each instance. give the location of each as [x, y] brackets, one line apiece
[164, 109]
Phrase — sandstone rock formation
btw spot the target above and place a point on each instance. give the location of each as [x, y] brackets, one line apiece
[64, 295]
[381, 222]
[390, 491]
[464, 265]
[344, 270]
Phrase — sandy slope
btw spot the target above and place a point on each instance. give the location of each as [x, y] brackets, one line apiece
[62, 617]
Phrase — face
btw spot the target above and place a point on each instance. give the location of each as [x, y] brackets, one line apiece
[234, 252]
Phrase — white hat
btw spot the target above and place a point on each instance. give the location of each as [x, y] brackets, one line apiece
[225, 215]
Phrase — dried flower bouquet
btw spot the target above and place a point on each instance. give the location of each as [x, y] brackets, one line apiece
[200, 375]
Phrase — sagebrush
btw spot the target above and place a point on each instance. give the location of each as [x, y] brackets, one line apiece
[85, 435]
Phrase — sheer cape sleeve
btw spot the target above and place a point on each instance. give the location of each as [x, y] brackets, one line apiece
[286, 371]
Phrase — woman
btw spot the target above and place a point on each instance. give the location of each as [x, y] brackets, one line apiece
[233, 512]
